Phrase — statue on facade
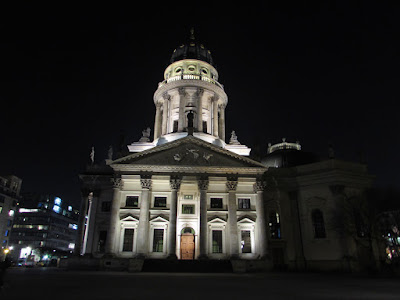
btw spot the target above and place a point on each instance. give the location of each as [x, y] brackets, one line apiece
[92, 156]
[145, 135]
[234, 139]
[110, 152]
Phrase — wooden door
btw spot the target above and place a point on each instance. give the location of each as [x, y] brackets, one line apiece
[187, 246]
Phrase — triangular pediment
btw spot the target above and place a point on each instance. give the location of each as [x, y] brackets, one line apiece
[216, 221]
[159, 219]
[187, 152]
[129, 218]
[246, 220]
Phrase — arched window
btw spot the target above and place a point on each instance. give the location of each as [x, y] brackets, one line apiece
[274, 225]
[318, 224]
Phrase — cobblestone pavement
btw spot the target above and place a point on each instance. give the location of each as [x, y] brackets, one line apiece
[52, 283]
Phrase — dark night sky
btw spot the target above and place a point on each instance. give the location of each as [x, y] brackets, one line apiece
[73, 77]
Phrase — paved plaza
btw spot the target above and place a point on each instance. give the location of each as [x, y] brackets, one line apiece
[52, 283]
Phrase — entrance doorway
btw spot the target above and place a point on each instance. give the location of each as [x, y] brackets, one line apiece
[187, 244]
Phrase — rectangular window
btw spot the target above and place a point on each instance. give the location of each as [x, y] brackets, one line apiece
[101, 246]
[106, 206]
[217, 241]
[158, 240]
[132, 201]
[244, 203]
[205, 126]
[175, 126]
[160, 202]
[188, 209]
[246, 241]
[128, 240]
[216, 202]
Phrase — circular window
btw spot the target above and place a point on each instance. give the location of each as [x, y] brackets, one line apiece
[178, 69]
[191, 68]
[204, 71]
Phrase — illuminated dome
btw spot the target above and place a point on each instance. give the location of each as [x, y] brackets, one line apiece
[192, 50]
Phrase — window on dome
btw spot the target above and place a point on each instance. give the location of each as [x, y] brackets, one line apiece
[204, 71]
[178, 69]
[191, 68]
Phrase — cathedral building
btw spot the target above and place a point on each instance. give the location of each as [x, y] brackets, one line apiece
[188, 194]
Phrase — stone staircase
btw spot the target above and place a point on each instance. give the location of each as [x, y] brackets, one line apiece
[187, 266]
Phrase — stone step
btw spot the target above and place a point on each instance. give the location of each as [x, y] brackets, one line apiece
[187, 266]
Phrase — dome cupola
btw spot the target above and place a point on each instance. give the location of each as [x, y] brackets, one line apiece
[192, 49]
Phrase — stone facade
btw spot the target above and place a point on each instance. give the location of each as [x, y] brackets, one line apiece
[190, 195]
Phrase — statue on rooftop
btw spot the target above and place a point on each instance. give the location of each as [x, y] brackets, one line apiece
[234, 139]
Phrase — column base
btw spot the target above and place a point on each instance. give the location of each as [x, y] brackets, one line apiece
[172, 257]
[203, 257]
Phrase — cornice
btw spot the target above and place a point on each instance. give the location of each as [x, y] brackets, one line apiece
[187, 139]
[190, 83]
[189, 169]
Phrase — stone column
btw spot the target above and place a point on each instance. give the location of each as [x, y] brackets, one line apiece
[231, 186]
[200, 109]
[157, 121]
[114, 216]
[203, 186]
[221, 125]
[175, 184]
[82, 220]
[181, 120]
[143, 227]
[215, 115]
[260, 222]
[165, 114]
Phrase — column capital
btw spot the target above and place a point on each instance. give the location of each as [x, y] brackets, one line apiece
[215, 98]
[175, 182]
[199, 92]
[145, 181]
[259, 186]
[182, 91]
[166, 96]
[231, 183]
[117, 182]
[203, 183]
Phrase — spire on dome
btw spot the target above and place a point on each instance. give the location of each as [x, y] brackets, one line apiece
[192, 34]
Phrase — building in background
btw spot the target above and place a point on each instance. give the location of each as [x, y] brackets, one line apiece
[45, 227]
[10, 187]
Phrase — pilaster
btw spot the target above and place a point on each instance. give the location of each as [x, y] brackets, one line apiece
[259, 187]
[175, 183]
[203, 187]
[231, 185]
[182, 100]
[114, 215]
[215, 115]
[157, 121]
[143, 227]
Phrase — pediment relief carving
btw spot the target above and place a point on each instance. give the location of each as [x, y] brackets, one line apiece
[189, 153]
